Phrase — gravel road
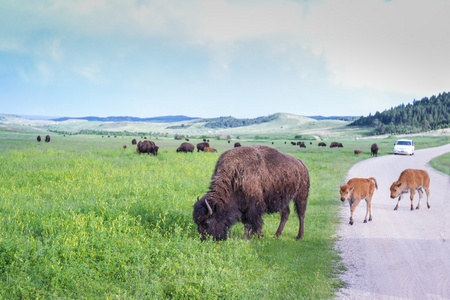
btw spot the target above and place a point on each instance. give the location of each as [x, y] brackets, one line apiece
[401, 254]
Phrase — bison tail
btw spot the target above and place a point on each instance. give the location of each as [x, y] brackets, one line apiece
[375, 181]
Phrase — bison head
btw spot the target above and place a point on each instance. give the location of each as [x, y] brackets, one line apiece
[210, 220]
[396, 189]
[345, 192]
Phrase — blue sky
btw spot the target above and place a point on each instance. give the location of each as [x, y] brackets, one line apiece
[210, 58]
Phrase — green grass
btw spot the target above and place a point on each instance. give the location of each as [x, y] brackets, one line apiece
[82, 217]
[442, 163]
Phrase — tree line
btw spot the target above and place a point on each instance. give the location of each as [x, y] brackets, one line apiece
[230, 122]
[422, 115]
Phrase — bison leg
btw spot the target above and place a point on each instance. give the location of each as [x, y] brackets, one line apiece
[411, 196]
[427, 190]
[420, 198]
[247, 231]
[353, 206]
[253, 221]
[300, 208]
[399, 198]
[368, 209]
[284, 214]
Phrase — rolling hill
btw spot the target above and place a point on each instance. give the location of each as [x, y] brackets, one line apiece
[280, 125]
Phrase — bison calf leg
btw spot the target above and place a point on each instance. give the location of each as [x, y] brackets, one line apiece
[411, 196]
[420, 197]
[368, 210]
[428, 197]
[399, 198]
[353, 205]
[284, 215]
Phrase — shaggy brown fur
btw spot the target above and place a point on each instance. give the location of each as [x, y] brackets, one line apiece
[357, 152]
[38, 138]
[202, 146]
[147, 147]
[237, 145]
[411, 180]
[186, 147]
[47, 138]
[336, 145]
[374, 150]
[357, 189]
[247, 183]
[322, 144]
[133, 142]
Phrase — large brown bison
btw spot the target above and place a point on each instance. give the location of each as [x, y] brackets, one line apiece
[147, 147]
[322, 144]
[237, 144]
[202, 146]
[186, 147]
[336, 145]
[47, 138]
[357, 189]
[301, 144]
[411, 180]
[38, 138]
[133, 142]
[247, 183]
[374, 150]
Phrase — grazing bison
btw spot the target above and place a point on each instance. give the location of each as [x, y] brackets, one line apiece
[147, 147]
[411, 180]
[38, 138]
[357, 189]
[124, 146]
[47, 138]
[302, 144]
[133, 142]
[322, 144]
[237, 145]
[186, 147]
[247, 183]
[357, 152]
[336, 145]
[374, 150]
[209, 149]
[201, 146]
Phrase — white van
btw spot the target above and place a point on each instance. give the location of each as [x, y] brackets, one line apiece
[404, 146]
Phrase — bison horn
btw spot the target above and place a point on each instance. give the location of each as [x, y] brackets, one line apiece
[210, 212]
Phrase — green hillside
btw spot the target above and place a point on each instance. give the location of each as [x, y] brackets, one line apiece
[280, 125]
[423, 115]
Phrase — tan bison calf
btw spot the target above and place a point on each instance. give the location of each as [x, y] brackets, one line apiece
[357, 189]
[411, 180]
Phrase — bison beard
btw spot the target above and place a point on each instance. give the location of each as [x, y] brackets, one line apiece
[247, 183]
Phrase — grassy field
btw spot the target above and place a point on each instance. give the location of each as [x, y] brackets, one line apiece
[442, 163]
[82, 217]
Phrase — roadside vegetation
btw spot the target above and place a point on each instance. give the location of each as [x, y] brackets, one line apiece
[442, 163]
[82, 217]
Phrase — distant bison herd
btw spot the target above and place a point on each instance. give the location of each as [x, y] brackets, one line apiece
[251, 181]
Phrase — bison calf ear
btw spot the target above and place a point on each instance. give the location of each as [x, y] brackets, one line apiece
[399, 184]
[351, 189]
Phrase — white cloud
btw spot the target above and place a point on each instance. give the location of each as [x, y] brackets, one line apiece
[401, 45]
